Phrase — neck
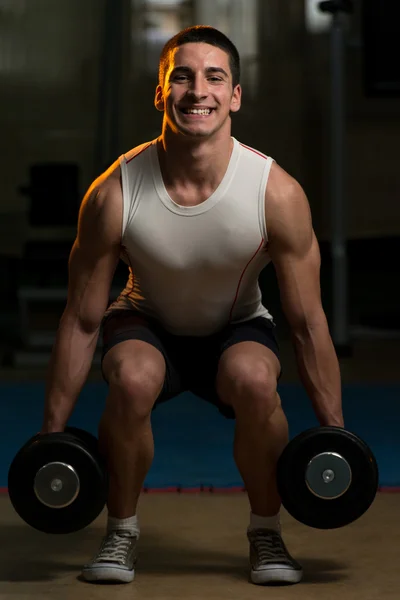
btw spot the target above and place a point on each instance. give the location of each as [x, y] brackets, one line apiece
[198, 161]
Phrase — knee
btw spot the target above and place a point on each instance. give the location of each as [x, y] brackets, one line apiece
[134, 388]
[249, 385]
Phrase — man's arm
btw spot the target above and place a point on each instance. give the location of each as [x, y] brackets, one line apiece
[92, 264]
[294, 252]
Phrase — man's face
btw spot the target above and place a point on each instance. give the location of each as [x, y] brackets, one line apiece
[198, 96]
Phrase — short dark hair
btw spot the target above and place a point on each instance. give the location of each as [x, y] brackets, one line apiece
[206, 35]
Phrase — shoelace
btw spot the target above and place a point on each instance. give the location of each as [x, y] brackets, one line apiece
[115, 547]
[269, 546]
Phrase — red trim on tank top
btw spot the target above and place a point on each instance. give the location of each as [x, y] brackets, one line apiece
[242, 275]
[255, 151]
[139, 153]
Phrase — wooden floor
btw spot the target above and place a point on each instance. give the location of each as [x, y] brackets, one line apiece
[194, 547]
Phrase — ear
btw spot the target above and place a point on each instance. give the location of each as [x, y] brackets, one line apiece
[159, 99]
[236, 99]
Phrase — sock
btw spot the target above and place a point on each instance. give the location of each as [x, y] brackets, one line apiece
[257, 522]
[129, 524]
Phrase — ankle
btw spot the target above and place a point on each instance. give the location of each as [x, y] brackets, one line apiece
[127, 524]
[260, 522]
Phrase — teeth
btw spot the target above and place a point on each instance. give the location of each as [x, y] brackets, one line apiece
[198, 111]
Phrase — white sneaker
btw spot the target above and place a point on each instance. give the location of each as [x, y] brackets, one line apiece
[270, 561]
[115, 560]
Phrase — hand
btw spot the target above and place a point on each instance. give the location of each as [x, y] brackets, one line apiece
[333, 422]
[51, 428]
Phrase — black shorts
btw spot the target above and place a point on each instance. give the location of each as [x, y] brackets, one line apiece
[191, 361]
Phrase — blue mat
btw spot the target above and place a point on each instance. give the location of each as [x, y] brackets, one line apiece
[193, 442]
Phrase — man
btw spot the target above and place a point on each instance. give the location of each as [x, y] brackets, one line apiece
[196, 215]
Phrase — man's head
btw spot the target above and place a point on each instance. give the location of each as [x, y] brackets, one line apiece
[199, 70]
[200, 34]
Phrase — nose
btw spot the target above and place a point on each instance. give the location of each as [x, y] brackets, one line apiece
[198, 88]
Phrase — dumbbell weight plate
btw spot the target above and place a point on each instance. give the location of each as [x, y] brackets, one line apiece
[56, 484]
[86, 438]
[92, 444]
[327, 477]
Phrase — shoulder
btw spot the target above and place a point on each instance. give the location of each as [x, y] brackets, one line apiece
[101, 208]
[139, 150]
[253, 155]
[252, 151]
[285, 197]
[104, 196]
[283, 190]
[105, 190]
[287, 211]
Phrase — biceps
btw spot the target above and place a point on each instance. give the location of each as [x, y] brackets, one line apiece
[90, 278]
[299, 285]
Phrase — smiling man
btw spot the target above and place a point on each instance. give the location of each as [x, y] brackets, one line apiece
[196, 215]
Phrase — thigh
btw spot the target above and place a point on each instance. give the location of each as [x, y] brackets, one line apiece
[252, 340]
[261, 333]
[127, 334]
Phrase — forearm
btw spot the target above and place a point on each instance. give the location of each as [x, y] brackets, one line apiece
[69, 367]
[319, 372]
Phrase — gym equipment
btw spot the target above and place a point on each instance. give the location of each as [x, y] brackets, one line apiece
[85, 436]
[57, 482]
[327, 477]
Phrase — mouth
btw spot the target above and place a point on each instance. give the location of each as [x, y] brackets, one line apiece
[196, 112]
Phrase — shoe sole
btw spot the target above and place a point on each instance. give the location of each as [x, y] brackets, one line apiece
[109, 574]
[266, 576]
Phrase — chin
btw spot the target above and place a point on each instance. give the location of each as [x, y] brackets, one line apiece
[197, 134]
[192, 132]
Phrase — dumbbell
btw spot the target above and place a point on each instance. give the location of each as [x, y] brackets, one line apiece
[57, 482]
[327, 477]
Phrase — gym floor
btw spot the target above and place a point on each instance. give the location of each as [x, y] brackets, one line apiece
[194, 545]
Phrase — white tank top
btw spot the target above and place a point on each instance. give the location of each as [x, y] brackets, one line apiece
[194, 269]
